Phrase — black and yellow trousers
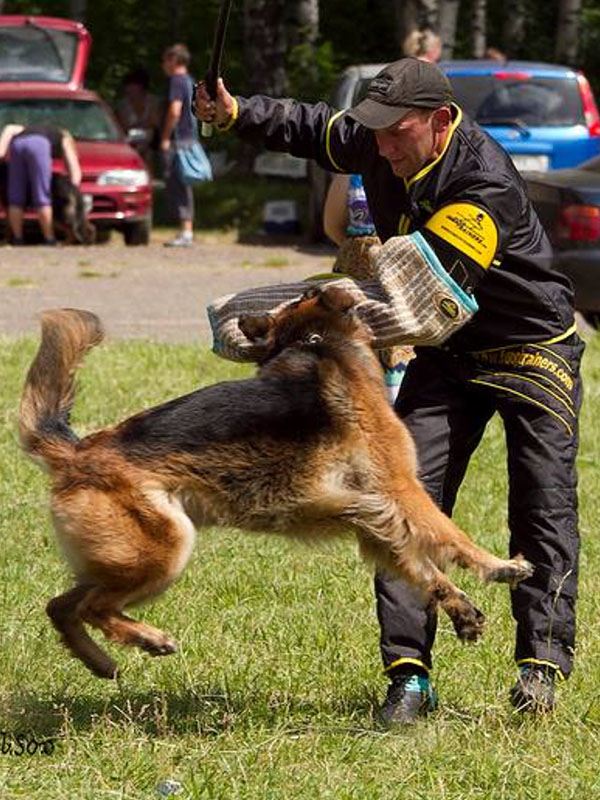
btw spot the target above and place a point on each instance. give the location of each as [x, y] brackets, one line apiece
[446, 401]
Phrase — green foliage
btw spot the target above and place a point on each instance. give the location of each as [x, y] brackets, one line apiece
[237, 201]
[131, 32]
[273, 693]
[311, 71]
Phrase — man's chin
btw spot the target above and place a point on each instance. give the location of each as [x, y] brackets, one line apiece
[399, 170]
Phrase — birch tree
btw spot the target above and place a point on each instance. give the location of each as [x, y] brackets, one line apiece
[447, 19]
[513, 29]
[567, 32]
[411, 15]
[77, 9]
[479, 41]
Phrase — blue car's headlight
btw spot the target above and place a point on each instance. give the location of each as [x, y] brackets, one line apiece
[124, 177]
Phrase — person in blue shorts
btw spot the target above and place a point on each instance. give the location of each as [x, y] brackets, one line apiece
[179, 130]
[30, 151]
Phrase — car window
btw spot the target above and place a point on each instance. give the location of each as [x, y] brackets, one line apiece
[84, 119]
[33, 53]
[534, 102]
[554, 102]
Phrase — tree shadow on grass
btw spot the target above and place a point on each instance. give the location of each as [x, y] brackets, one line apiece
[203, 711]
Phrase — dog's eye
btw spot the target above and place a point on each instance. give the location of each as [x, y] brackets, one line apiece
[314, 338]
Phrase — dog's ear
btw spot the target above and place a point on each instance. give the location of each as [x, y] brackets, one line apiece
[333, 298]
[255, 328]
[314, 290]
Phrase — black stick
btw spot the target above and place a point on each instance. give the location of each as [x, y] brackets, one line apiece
[214, 66]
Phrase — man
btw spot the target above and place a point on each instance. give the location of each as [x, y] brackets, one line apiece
[431, 173]
[179, 130]
[30, 152]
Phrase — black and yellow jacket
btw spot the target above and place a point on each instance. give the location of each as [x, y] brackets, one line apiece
[470, 203]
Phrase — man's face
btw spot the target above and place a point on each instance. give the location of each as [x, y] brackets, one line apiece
[168, 65]
[409, 144]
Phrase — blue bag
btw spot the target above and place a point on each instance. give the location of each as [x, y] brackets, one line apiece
[192, 163]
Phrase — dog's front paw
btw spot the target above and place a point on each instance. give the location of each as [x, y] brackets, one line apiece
[468, 620]
[513, 571]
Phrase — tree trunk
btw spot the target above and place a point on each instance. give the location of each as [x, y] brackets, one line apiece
[406, 19]
[513, 30]
[77, 9]
[303, 21]
[265, 46]
[567, 32]
[174, 21]
[478, 29]
[448, 16]
[428, 14]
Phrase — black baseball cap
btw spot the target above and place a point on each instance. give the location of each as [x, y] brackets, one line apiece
[399, 88]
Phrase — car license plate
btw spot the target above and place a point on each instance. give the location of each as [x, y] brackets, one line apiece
[527, 162]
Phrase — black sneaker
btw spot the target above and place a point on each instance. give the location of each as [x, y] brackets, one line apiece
[534, 689]
[410, 695]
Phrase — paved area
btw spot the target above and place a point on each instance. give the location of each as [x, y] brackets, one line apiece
[144, 292]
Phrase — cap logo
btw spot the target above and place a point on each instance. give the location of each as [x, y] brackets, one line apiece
[380, 85]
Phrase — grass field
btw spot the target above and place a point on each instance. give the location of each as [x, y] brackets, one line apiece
[273, 692]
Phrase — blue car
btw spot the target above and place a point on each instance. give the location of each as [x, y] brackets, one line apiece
[544, 115]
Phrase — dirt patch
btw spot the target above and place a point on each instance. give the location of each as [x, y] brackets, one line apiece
[144, 292]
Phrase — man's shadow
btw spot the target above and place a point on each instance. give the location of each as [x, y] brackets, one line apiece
[207, 711]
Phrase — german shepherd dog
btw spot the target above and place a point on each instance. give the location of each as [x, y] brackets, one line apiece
[309, 447]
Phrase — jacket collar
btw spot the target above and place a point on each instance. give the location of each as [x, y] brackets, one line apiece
[457, 114]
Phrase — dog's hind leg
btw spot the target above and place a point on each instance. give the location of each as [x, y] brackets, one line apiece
[102, 608]
[63, 613]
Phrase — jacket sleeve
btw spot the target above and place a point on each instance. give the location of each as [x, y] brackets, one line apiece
[316, 131]
[474, 225]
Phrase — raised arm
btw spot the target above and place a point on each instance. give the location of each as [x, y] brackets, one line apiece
[316, 131]
[8, 132]
[71, 158]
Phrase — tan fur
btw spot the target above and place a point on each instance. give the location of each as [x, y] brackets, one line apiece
[125, 517]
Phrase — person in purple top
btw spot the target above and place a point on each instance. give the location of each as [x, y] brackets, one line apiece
[179, 129]
[30, 151]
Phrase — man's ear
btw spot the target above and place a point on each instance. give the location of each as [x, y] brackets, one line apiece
[333, 298]
[255, 328]
[442, 119]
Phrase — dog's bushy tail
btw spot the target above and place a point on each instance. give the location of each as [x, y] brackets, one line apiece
[44, 430]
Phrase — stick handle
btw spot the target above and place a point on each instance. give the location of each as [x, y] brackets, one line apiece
[207, 130]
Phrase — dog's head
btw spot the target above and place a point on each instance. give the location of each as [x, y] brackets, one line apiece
[321, 316]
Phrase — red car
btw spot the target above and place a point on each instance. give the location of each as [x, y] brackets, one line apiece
[42, 67]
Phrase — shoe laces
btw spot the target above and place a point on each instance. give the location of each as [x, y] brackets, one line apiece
[543, 674]
[408, 682]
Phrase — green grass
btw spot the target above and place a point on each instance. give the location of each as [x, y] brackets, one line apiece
[273, 692]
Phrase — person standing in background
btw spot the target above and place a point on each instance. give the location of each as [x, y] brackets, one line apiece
[179, 129]
[424, 44]
[139, 111]
[347, 222]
